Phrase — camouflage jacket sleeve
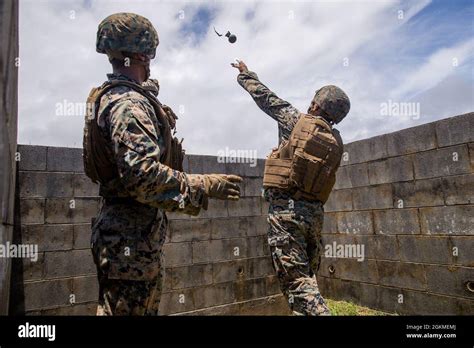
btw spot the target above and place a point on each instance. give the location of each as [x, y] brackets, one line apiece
[283, 112]
[137, 148]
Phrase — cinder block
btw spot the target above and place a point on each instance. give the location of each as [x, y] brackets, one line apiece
[177, 254]
[365, 150]
[38, 294]
[216, 209]
[82, 236]
[214, 295]
[249, 289]
[271, 306]
[250, 169]
[32, 211]
[177, 301]
[403, 275]
[359, 175]
[84, 187]
[190, 230]
[221, 249]
[471, 155]
[48, 237]
[352, 176]
[257, 246]
[252, 187]
[386, 248]
[359, 222]
[74, 210]
[59, 185]
[68, 263]
[449, 280]
[419, 193]
[459, 189]
[257, 226]
[33, 270]
[86, 289]
[455, 220]
[249, 206]
[32, 184]
[63, 159]
[229, 228]
[167, 276]
[191, 276]
[411, 140]
[343, 179]
[329, 286]
[180, 216]
[199, 164]
[350, 269]
[372, 197]
[396, 221]
[81, 309]
[45, 184]
[462, 255]
[425, 249]
[265, 207]
[229, 271]
[347, 241]
[32, 157]
[59, 210]
[455, 130]
[186, 168]
[442, 162]
[394, 169]
[392, 300]
[206, 251]
[430, 304]
[330, 223]
[259, 267]
[339, 200]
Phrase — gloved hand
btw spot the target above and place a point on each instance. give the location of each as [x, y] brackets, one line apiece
[222, 186]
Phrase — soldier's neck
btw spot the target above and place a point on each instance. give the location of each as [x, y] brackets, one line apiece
[131, 72]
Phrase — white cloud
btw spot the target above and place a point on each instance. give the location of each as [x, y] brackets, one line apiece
[295, 47]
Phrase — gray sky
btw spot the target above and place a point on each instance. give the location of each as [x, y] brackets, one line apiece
[414, 56]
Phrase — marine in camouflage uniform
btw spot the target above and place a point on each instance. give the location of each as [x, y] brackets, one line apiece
[294, 234]
[129, 232]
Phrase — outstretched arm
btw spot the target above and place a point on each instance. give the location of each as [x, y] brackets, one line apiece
[137, 151]
[280, 110]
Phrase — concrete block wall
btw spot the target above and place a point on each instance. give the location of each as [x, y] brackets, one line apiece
[407, 197]
[8, 135]
[215, 263]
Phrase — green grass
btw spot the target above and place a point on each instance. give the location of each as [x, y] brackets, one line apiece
[347, 308]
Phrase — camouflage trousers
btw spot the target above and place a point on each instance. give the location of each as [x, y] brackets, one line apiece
[294, 237]
[127, 241]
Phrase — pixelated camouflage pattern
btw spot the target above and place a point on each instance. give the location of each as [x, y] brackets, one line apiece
[127, 32]
[333, 101]
[280, 110]
[129, 232]
[294, 237]
[128, 122]
[127, 245]
[294, 233]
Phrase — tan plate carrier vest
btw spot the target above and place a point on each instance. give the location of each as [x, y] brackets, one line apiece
[306, 164]
[99, 165]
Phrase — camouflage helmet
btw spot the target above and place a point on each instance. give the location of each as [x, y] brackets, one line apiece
[333, 101]
[127, 32]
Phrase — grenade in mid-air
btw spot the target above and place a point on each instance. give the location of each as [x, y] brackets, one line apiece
[231, 37]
